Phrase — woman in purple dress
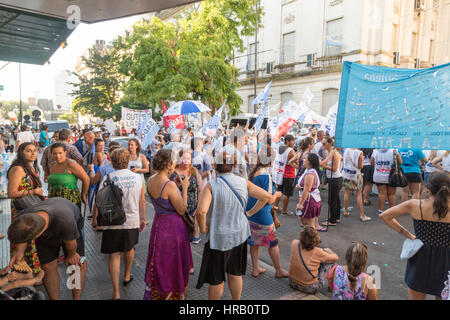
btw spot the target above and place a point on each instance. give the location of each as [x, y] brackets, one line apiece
[169, 254]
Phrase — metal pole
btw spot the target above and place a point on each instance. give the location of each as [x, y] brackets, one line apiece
[20, 94]
[256, 56]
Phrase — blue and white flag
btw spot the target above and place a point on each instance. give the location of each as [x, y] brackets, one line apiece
[149, 132]
[393, 108]
[333, 41]
[262, 96]
[139, 126]
[213, 123]
[260, 119]
[172, 128]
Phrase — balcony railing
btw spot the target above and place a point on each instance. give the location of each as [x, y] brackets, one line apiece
[326, 62]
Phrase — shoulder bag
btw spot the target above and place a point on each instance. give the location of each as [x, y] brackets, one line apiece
[396, 176]
[304, 264]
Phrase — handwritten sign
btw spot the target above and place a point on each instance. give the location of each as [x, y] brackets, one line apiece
[383, 107]
[130, 117]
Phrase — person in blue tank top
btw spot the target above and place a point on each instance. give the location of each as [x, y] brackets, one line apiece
[411, 168]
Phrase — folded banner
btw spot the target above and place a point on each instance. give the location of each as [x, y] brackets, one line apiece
[178, 121]
[383, 107]
[130, 117]
[329, 125]
[149, 132]
[291, 114]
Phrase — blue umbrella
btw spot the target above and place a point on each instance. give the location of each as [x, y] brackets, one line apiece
[186, 107]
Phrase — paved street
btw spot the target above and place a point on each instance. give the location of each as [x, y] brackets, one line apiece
[384, 254]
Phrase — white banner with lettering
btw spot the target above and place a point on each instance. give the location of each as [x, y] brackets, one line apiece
[130, 117]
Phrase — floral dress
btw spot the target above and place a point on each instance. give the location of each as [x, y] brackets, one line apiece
[31, 256]
[192, 193]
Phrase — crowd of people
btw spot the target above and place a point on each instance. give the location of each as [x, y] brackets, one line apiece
[225, 190]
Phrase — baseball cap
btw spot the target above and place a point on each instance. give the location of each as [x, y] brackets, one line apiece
[97, 130]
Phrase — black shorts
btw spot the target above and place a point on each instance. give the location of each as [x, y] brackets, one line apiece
[413, 177]
[287, 187]
[120, 240]
[216, 263]
[48, 249]
[367, 172]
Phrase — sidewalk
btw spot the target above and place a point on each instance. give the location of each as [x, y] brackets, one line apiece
[98, 284]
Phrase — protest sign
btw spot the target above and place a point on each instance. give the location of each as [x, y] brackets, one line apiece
[130, 117]
[213, 124]
[383, 107]
[149, 132]
[178, 121]
[110, 126]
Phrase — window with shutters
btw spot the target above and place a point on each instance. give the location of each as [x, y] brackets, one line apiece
[333, 42]
[285, 97]
[288, 55]
[329, 98]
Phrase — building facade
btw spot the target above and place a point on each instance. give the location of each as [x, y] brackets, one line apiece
[303, 44]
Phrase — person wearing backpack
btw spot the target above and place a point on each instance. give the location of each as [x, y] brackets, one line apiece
[122, 238]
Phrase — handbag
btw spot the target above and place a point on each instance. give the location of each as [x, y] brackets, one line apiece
[410, 248]
[396, 177]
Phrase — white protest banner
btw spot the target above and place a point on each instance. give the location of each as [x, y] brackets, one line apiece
[110, 126]
[329, 125]
[213, 124]
[149, 132]
[130, 117]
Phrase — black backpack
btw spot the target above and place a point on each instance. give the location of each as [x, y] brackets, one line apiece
[109, 204]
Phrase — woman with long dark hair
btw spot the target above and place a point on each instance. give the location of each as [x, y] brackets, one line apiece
[427, 270]
[309, 200]
[23, 180]
[262, 226]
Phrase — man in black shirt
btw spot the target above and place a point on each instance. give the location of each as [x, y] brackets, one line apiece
[52, 223]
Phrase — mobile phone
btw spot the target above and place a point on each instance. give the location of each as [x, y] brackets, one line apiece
[132, 167]
[82, 260]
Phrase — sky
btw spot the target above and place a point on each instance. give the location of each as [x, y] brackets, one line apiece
[38, 81]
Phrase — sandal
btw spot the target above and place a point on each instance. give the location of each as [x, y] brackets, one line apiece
[329, 224]
[368, 203]
[322, 229]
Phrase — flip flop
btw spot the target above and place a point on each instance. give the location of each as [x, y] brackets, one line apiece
[328, 224]
[322, 230]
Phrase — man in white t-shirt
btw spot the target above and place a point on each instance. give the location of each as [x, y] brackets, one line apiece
[24, 136]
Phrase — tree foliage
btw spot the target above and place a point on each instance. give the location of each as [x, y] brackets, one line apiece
[188, 59]
[10, 106]
[97, 92]
[72, 118]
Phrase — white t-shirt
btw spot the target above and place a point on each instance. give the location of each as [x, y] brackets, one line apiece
[25, 136]
[429, 167]
[131, 185]
[446, 163]
[350, 168]
[383, 159]
[316, 149]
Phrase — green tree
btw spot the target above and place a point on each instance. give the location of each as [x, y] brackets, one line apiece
[97, 93]
[189, 59]
[9, 106]
[70, 117]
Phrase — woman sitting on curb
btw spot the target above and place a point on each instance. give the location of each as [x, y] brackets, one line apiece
[350, 282]
[309, 264]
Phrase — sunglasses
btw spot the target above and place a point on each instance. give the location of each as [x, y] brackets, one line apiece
[356, 242]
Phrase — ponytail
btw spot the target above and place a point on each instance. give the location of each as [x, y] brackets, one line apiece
[439, 183]
[356, 258]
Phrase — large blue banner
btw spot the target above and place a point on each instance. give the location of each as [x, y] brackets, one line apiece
[383, 107]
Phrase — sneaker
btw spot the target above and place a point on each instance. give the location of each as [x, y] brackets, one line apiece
[196, 240]
[366, 218]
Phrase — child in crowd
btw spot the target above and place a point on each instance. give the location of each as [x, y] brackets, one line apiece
[350, 282]
[10, 280]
